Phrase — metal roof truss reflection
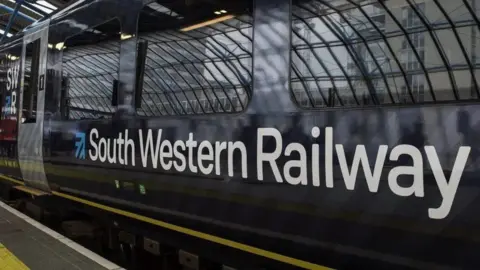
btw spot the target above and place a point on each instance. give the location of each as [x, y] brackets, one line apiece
[18, 14]
[203, 71]
[393, 50]
[91, 71]
[344, 53]
[204, 66]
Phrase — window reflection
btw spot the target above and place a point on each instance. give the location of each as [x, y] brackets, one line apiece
[353, 53]
[200, 71]
[90, 65]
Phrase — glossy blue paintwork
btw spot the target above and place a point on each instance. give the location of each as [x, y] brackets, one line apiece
[330, 226]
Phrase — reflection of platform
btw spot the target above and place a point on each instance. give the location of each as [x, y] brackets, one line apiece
[26, 244]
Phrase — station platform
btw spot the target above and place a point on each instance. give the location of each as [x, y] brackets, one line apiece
[27, 244]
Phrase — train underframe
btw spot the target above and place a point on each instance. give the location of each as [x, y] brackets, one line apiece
[130, 243]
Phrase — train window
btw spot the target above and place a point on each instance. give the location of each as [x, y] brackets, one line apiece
[199, 57]
[30, 88]
[364, 53]
[10, 83]
[90, 70]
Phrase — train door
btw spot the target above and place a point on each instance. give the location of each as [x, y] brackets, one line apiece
[32, 100]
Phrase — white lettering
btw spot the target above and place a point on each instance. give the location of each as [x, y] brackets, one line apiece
[268, 157]
[148, 147]
[301, 164]
[12, 77]
[415, 170]
[243, 151]
[15, 73]
[120, 142]
[112, 158]
[360, 156]
[219, 147]
[93, 136]
[315, 156]
[13, 107]
[190, 145]
[131, 144]
[102, 149]
[179, 166]
[166, 152]
[329, 157]
[448, 190]
[205, 157]
[9, 79]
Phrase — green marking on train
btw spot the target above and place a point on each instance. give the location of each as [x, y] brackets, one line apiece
[142, 189]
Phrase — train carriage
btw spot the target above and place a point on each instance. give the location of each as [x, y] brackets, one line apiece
[253, 134]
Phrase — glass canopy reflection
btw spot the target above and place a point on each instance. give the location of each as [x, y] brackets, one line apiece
[344, 53]
[350, 52]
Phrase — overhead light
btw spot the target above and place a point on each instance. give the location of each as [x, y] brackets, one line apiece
[3, 33]
[60, 46]
[209, 22]
[46, 4]
[12, 57]
[125, 36]
[219, 12]
[50, 46]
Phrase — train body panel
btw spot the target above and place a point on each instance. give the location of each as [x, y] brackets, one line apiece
[31, 131]
[367, 186]
[363, 211]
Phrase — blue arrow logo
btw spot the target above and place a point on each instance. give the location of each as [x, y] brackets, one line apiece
[7, 106]
[80, 145]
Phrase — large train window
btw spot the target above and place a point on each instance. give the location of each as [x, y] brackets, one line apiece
[90, 72]
[10, 60]
[198, 57]
[356, 53]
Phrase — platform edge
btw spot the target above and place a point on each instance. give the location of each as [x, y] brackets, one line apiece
[66, 241]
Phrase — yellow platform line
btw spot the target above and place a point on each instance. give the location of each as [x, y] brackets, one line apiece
[11, 180]
[8, 261]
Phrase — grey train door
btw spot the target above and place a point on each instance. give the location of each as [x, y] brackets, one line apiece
[32, 100]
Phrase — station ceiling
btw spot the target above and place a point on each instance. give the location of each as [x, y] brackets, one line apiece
[29, 12]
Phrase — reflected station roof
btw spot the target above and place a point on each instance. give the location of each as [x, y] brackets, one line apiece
[29, 12]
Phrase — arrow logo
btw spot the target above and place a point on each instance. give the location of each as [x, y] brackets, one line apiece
[7, 106]
[80, 145]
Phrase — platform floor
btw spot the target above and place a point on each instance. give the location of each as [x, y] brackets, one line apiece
[26, 244]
